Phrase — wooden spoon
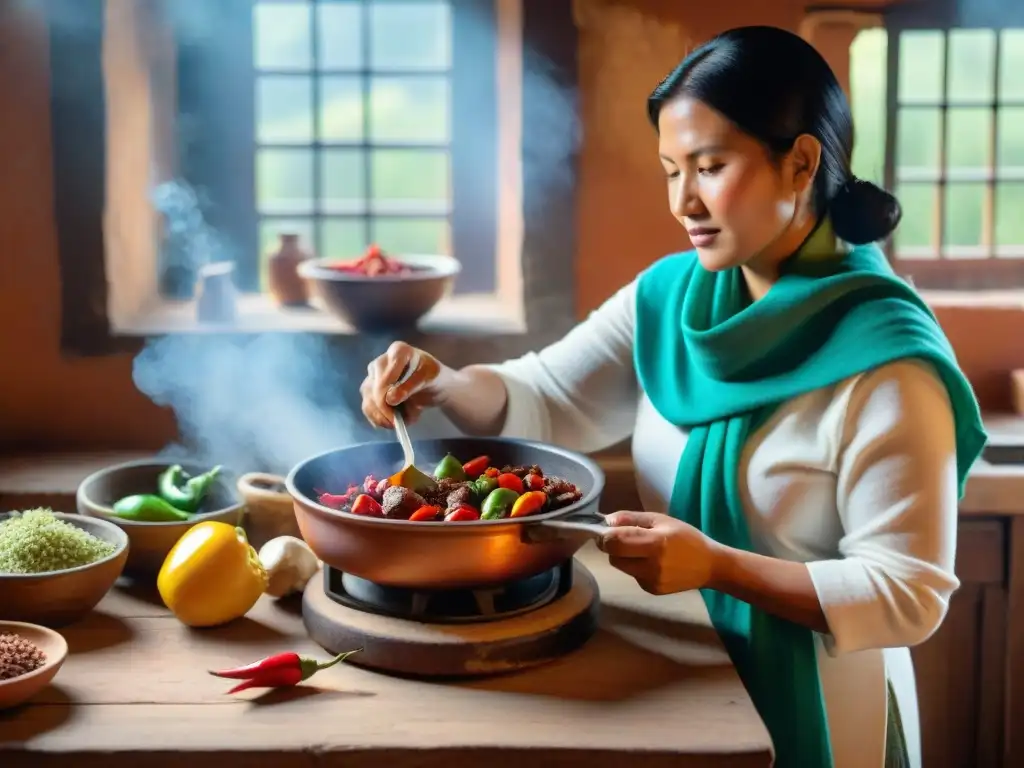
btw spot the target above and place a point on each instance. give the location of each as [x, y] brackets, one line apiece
[409, 476]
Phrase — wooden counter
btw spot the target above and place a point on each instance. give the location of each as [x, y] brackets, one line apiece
[970, 673]
[652, 688]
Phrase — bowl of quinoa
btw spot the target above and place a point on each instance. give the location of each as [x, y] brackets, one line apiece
[55, 567]
[30, 656]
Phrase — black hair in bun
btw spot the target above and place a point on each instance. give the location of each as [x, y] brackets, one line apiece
[862, 212]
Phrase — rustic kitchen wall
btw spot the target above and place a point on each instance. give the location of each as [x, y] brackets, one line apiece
[48, 400]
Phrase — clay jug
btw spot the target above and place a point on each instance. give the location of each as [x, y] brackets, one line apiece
[286, 286]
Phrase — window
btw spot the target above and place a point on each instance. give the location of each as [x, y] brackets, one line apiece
[352, 124]
[366, 121]
[939, 113]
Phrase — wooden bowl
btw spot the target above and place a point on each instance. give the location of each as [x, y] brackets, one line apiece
[18, 690]
[385, 302]
[151, 542]
[56, 598]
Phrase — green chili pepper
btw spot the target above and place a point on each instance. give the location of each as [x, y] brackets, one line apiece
[184, 492]
[451, 468]
[498, 504]
[172, 487]
[146, 508]
[483, 485]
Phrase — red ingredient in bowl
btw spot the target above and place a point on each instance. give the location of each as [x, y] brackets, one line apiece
[426, 512]
[366, 505]
[462, 513]
[510, 481]
[373, 263]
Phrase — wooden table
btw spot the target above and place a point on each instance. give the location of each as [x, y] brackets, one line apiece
[652, 688]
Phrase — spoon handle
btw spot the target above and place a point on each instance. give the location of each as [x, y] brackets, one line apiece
[400, 429]
[403, 438]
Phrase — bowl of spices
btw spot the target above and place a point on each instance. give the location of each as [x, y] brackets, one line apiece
[30, 656]
[155, 502]
[55, 567]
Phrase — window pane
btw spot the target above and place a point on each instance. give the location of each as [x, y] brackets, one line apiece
[410, 35]
[867, 98]
[963, 214]
[1011, 65]
[972, 65]
[284, 109]
[409, 177]
[284, 181]
[341, 109]
[281, 35]
[344, 178]
[340, 35]
[404, 109]
[917, 138]
[412, 235]
[343, 238]
[270, 240]
[920, 75]
[1011, 137]
[1010, 214]
[968, 137]
[918, 203]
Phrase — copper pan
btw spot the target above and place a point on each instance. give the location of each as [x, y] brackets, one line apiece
[431, 555]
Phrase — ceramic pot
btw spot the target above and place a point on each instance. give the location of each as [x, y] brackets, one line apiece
[217, 294]
[286, 286]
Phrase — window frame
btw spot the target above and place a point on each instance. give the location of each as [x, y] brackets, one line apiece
[224, 113]
[940, 272]
[549, 203]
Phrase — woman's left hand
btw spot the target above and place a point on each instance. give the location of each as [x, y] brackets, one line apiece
[663, 554]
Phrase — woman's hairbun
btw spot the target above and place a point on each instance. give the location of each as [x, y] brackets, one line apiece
[862, 212]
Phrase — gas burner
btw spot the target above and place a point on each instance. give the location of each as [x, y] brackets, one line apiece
[457, 606]
[454, 633]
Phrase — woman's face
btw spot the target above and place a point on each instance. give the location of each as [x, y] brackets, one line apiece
[739, 206]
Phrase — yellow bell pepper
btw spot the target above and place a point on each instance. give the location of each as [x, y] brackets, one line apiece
[211, 576]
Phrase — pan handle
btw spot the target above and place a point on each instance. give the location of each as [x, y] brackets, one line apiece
[253, 487]
[586, 524]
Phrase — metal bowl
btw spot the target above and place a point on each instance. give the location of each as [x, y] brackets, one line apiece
[443, 555]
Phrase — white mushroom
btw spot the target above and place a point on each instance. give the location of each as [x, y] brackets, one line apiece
[290, 564]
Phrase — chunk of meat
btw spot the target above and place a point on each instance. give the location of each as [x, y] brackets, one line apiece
[399, 503]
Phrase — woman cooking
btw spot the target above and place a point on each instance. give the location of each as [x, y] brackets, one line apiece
[794, 407]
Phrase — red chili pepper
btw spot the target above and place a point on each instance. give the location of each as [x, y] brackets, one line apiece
[333, 500]
[280, 671]
[462, 513]
[426, 512]
[510, 481]
[366, 505]
[475, 467]
[533, 482]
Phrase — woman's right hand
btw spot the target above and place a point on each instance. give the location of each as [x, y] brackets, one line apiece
[381, 391]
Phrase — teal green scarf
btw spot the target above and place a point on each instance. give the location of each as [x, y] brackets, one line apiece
[714, 363]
